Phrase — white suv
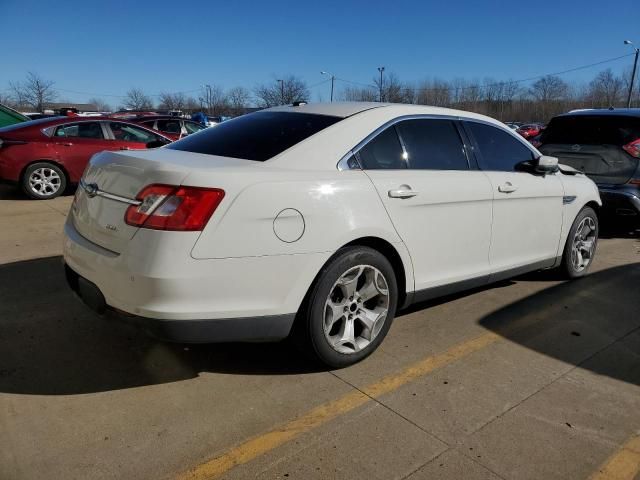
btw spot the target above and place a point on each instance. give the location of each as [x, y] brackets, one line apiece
[322, 220]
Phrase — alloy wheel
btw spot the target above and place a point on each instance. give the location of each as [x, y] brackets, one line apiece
[356, 309]
[584, 244]
[44, 181]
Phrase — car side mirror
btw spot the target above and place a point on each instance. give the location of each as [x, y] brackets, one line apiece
[546, 164]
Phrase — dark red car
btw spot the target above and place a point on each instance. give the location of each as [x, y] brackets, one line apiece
[173, 127]
[529, 130]
[44, 156]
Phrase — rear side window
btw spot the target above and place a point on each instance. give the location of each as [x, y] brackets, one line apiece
[80, 130]
[258, 136]
[169, 126]
[433, 145]
[499, 150]
[383, 152]
[592, 130]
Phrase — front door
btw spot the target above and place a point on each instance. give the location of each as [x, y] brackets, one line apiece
[527, 207]
[439, 206]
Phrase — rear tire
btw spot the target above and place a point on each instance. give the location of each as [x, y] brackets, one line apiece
[349, 309]
[581, 244]
[43, 180]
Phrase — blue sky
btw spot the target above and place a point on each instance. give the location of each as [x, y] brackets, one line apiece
[106, 47]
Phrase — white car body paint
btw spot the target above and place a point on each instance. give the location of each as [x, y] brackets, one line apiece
[257, 257]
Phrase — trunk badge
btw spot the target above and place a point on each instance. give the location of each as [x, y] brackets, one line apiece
[91, 189]
[111, 227]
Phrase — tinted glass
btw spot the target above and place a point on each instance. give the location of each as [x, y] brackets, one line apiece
[498, 149]
[257, 136]
[384, 151]
[592, 130]
[433, 145]
[169, 126]
[128, 133]
[80, 130]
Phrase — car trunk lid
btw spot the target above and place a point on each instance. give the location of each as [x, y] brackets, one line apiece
[99, 215]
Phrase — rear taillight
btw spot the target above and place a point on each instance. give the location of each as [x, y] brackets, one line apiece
[167, 207]
[633, 148]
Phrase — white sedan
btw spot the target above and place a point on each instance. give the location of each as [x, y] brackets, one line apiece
[320, 221]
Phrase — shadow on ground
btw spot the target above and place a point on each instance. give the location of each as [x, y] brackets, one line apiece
[13, 192]
[570, 321]
[51, 344]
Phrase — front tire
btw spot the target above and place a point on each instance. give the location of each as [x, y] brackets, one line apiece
[43, 180]
[350, 307]
[581, 244]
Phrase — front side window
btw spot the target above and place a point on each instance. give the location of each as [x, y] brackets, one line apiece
[383, 152]
[258, 136]
[499, 150]
[80, 130]
[193, 127]
[433, 145]
[128, 133]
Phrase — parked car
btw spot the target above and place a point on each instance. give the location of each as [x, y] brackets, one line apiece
[9, 116]
[529, 130]
[213, 121]
[605, 145]
[513, 125]
[172, 127]
[321, 221]
[44, 156]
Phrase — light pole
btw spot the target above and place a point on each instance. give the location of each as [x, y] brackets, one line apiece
[333, 77]
[381, 69]
[633, 72]
[281, 91]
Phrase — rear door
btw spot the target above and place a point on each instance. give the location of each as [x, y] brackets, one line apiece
[527, 208]
[593, 144]
[439, 206]
[76, 143]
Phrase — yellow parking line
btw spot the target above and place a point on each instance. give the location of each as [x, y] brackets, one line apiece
[253, 448]
[623, 464]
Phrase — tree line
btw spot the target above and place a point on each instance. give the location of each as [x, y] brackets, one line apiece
[505, 100]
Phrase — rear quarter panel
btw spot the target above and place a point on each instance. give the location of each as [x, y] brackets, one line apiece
[585, 191]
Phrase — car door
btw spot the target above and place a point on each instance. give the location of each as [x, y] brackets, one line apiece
[76, 143]
[125, 136]
[439, 205]
[527, 207]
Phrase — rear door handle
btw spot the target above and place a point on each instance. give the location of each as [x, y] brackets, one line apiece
[66, 144]
[507, 187]
[125, 148]
[404, 191]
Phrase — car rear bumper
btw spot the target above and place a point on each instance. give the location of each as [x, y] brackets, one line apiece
[621, 202]
[245, 329]
[163, 289]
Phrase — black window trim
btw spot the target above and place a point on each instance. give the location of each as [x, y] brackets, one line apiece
[54, 128]
[475, 148]
[469, 143]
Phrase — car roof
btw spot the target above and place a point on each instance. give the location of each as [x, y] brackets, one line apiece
[147, 118]
[615, 112]
[334, 109]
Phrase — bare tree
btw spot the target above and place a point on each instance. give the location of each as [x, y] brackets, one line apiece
[34, 92]
[136, 99]
[605, 90]
[191, 105]
[213, 99]
[357, 94]
[101, 105]
[7, 100]
[238, 98]
[282, 92]
[172, 101]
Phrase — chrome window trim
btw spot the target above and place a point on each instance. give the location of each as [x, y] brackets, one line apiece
[420, 116]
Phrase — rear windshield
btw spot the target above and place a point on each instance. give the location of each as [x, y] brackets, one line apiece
[592, 129]
[256, 136]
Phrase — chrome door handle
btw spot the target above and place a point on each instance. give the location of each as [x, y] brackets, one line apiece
[125, 148]
[403, 192]
[507, 187]
[66, 144]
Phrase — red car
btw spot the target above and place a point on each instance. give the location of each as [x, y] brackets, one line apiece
[530, 130]
[44, 156]
[172, 127]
